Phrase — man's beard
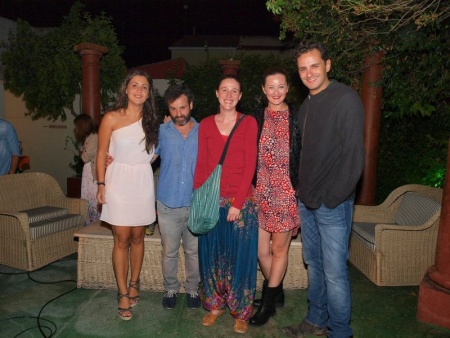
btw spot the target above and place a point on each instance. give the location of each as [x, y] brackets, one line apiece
[181, 120]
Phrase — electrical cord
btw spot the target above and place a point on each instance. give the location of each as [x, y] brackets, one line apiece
[49, 326]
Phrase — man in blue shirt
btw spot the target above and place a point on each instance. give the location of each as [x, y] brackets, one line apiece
[177, 148]
[9, 148]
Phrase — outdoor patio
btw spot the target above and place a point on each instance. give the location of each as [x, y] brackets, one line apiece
[65, 311]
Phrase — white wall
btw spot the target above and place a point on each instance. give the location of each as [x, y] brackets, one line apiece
[42, 140]
[160, 85]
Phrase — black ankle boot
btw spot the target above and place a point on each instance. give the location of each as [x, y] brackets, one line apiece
[258, 302]
[279, 298]
[267, 308]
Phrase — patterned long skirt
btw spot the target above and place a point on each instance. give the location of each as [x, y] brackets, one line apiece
[228, 256]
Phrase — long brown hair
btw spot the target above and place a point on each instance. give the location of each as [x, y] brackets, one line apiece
[150, 123]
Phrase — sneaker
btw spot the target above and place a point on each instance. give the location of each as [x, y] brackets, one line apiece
[193, 300]
[170, 299]
[304, 329]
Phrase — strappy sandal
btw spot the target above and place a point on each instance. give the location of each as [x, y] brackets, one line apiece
[135, 285]
[122, 311]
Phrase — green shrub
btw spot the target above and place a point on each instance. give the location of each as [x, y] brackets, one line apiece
[413, 149]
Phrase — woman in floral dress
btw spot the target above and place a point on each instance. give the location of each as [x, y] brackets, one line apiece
[274, 194]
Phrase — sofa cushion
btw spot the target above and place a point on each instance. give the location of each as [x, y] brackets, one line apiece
[415, 209]
[53, 225]
[365, 232]
[43, 213]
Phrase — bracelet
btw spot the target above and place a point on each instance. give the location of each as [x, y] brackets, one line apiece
[100, 183]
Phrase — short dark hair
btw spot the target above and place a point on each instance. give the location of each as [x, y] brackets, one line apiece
[175, 91]
[307, 46]
[273, 71]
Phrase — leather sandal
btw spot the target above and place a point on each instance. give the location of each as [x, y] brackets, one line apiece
[240, 326]
[135, 285]
[123, 311]
[211, 318]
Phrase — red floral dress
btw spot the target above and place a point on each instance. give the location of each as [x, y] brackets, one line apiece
[274, 195]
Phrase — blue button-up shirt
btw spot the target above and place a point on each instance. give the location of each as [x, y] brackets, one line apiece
[9, 145]
[178, 159]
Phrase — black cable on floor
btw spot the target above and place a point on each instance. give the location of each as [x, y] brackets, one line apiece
[31, 328]
[52, 330]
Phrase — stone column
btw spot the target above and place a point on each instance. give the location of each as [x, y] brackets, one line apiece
[371, 93]
[91, 55]
[434, 290]
[230, 67]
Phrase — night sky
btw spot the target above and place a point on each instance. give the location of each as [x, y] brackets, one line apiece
[146, 28]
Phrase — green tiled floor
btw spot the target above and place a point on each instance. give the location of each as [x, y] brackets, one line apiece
[377, 311]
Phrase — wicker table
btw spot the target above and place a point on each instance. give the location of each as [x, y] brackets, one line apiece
[94, 266]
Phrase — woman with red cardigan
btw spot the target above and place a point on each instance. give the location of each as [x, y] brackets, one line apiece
[228, 253]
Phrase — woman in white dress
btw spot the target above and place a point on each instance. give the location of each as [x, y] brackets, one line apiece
[129, 133]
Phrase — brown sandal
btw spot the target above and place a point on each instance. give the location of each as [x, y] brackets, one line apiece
[240, 326]
[211, 318]
[135, 285]
[122, 310]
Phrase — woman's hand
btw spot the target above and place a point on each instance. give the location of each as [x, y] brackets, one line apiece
[101, 193]
[233, 214]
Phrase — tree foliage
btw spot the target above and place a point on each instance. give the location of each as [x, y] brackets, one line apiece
[415, 37]
[44, 68]
[412, 150]
[414, 34]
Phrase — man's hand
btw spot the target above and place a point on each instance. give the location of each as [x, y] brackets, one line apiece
[109, 160]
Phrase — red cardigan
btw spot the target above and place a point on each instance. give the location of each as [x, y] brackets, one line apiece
[240, 163]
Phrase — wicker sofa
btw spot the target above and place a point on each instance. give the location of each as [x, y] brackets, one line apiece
[37, 221]
[95, 271]
[395, 242]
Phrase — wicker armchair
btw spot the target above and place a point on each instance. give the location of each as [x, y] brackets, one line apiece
[49, 238]
[395, 242]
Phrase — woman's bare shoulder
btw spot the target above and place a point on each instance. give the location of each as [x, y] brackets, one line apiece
[112, 117]
[113, 114]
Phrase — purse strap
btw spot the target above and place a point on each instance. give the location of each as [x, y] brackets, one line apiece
[225, 149]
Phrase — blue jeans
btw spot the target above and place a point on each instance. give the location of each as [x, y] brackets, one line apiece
[325, 238]
[173, 228]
